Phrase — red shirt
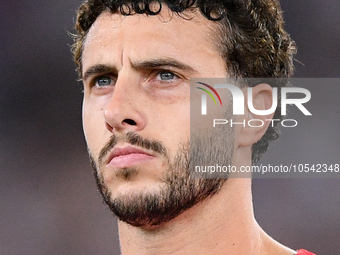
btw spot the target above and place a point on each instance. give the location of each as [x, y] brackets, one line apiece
[304, 252]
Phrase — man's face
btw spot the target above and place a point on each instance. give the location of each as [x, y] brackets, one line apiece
[136, 111]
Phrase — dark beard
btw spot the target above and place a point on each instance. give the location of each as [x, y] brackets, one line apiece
[179, 193]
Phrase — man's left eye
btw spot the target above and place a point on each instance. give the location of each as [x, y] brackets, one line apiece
[166, 76]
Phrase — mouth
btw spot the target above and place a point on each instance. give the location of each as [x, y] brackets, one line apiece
[128, 157]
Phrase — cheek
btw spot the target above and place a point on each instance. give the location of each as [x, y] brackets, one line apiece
[175, 126]
[92, 127]
[86, 126]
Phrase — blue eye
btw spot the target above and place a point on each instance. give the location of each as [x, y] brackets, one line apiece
[166, 76]
[104, 81]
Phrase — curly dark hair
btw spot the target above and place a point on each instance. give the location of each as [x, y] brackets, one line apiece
[251, 36]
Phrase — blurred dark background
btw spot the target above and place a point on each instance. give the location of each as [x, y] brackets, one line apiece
[48, 199]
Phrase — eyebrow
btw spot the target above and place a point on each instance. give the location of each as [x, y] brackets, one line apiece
[148, 64]
[166, 62]
[99, 69]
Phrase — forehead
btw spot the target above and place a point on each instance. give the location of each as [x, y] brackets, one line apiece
[138, 36]
[165, 19]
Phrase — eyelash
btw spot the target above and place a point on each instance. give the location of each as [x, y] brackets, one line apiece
[93, 83]
[107, 77]
[154, 75]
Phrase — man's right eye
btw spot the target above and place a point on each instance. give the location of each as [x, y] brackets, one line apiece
[103, 81]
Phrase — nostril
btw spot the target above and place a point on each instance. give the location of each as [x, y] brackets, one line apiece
[130, 122]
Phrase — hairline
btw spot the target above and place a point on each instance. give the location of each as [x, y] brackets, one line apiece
[215, 28]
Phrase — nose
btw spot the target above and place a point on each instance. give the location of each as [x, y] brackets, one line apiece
[124, 111]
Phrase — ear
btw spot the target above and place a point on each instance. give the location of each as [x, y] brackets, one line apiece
[261, 98]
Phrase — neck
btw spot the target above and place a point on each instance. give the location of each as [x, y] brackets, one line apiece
[222, 224]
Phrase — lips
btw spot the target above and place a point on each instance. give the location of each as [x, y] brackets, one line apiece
[127, 157]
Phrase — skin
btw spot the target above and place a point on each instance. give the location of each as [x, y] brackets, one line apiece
[138, 52]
